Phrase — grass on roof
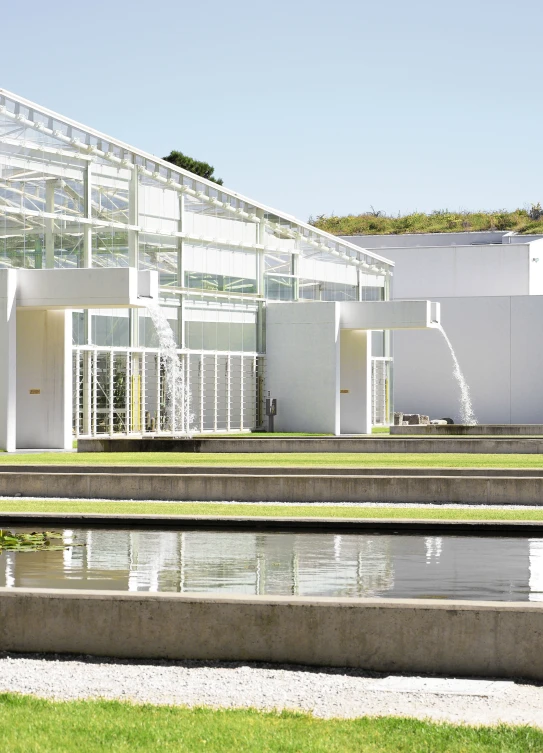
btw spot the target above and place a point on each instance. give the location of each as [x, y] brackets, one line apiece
[440, 221]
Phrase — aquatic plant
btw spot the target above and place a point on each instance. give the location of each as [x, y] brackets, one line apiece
[31, 542]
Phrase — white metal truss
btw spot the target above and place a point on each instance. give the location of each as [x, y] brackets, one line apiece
[87, 142]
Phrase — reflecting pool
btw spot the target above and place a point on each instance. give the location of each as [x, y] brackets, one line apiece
[305, 564]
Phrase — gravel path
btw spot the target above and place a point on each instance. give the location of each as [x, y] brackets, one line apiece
[409, 505]
[323, 692]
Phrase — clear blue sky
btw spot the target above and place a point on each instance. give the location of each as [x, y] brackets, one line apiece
[307, 106]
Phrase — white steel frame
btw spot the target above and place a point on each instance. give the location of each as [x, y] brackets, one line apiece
[83, 195]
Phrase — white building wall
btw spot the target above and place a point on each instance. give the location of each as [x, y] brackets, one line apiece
[536, 267]
[498, 343]
[461, 271]
[44, 384]
[318, 358]
[302, 355]
[526, 359]
[7, 358]
[492, 310]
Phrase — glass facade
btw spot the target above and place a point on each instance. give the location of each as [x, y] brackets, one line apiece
[74, 198]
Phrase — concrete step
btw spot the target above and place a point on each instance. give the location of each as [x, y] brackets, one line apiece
[479, 430]
[190, 470]
[485, 445]
[216, 487]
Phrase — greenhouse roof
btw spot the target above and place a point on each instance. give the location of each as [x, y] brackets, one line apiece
[61, 136]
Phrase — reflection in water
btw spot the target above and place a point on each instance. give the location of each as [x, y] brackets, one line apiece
[433, 547]
[536, 570]
[354, 565]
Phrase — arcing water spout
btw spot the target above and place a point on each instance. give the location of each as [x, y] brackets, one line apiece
[466, 409]
[177, 397]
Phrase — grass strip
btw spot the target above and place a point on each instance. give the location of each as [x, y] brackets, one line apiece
[259, 510]
[40, 726]
[280, 459]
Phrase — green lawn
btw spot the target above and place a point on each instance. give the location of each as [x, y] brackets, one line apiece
[278, 459]
[270, 511]
[31, 725]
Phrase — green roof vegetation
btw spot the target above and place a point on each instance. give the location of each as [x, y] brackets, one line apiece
[524, 221]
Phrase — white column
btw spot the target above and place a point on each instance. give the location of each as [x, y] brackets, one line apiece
[44, 379]
[8, 284]
[260, 266]
[87, 228]
[181, 275]
[50, 224]
[133, 218]
[355, 381]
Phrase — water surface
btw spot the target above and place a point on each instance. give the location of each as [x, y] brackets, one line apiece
[305, 564]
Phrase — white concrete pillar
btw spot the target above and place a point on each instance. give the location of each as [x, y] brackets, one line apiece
[8, 285]
[355, 381]
[302, 370]
[44, 379]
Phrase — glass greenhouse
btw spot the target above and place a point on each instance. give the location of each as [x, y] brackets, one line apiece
[73, 198]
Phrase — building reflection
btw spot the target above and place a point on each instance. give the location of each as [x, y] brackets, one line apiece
[352, 565]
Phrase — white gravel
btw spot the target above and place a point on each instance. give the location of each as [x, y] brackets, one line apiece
[286, 505]
[323, 692]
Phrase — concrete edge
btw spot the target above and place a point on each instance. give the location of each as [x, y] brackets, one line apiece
[370, 444]
[466, 638]
[448, 605]
[240, 522]
[218, 470]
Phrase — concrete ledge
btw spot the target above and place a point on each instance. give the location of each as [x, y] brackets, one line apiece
[488, 430]
[249, 470]
[517, 528]
[275, 488]
[487, 445]
[384, 635]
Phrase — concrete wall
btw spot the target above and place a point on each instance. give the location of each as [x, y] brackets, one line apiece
[384, 635]
[302, 346]
[438, 272]
[492, 445]
[499, 346]
[280, 488]
[7, 359]
[44, 379]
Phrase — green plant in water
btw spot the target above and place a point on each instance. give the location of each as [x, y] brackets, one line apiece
[31, 542]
